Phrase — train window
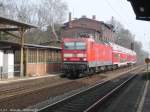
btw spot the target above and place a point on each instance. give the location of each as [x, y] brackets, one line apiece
[69, 45]
[75, 45]
[116, 55]
[80, 45]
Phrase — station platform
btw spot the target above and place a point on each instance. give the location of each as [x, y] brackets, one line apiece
[19, 79]
[146, 106]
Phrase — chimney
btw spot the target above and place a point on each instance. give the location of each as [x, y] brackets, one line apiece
[93, 17]
[69, 16]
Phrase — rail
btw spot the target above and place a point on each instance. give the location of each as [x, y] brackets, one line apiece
[93, 107]
[85, 100]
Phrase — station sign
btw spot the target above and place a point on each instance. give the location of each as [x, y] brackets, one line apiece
[147, 60]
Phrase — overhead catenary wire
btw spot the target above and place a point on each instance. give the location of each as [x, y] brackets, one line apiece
[109, 4]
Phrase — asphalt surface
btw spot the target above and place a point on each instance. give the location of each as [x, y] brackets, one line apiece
[127, 99]
[146, 106]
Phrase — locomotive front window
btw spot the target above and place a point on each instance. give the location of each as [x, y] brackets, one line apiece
[69, 45]
[74, 45]
[80, 45]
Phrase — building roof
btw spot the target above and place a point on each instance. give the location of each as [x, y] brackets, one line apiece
[141, 9]
[91, 20]
[6, 21]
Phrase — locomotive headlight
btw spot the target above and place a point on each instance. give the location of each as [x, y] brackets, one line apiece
[65, 59]
[84, 59]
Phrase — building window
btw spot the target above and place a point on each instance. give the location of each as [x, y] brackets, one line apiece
[53, 56]
[59, 56]
[49, 56]
[17, 57]
[32, 56]
[41, 56]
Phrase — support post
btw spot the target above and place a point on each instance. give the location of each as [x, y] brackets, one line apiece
[26, 63]
[37, 56]
[147, 71]
[45, 63]
[22, 31]
[147, 61]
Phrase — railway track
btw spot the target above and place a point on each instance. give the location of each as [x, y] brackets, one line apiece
[9, 93]
[48, 92]
[87, 100]
[27, 88]
[127, 99]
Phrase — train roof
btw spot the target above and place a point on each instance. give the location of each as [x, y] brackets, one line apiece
[121, 48]
[78, 39]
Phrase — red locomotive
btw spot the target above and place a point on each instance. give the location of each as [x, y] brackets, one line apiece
[85, 55]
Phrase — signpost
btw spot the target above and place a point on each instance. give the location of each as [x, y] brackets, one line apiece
[147, 61]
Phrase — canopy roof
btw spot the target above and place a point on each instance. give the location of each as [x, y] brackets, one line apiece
[8, 45]
[6, 21]
[141, 9]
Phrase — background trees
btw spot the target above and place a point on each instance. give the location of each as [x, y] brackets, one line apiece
[47, 14]
[38, 12]
[125, 38]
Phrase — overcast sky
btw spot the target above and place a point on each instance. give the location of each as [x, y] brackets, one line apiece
[121, 10]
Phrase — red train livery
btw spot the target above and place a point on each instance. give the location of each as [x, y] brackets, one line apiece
[122, 56]
[85, 55]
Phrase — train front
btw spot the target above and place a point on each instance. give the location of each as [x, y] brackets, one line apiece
[74, 55]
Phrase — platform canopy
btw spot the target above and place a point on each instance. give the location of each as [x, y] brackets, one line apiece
[12, 25]
[141, 9]
[8, 26]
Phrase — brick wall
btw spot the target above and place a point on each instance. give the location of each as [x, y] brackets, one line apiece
[74, 32]
[87, 25]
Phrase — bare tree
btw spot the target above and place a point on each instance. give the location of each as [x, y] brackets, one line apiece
[125, 38]
[52, 13]
[43, 13]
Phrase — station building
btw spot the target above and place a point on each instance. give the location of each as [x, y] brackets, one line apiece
[98, 30]
[23, 59]
[38, 60]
